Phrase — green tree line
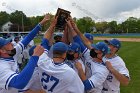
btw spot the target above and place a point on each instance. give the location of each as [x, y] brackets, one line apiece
[85, 24]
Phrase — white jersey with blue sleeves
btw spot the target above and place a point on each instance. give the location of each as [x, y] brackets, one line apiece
[35, 83]
[58, 78]
[112, 84]
[9, 69]
[95, 72]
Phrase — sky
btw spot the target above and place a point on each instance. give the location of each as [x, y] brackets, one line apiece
[98, 10]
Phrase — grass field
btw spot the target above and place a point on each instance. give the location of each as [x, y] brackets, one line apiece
[119, 36]
[130, 53]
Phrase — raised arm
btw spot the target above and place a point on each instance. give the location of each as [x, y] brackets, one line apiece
[84, 39]
[76, 38]
[65, 35]
[34, 32]
[19, 81]
[48, 34]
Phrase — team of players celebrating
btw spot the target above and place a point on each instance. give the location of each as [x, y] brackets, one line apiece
[73, 65]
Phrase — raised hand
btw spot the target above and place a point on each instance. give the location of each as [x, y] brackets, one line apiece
[73, 23]
[54, 21]
[45, 19]
[69, 23]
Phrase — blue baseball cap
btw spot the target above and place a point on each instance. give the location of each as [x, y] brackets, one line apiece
[101, 46]
[3, 42]
[115, 42]
[88, 36]
[75, 47]
[60, 46]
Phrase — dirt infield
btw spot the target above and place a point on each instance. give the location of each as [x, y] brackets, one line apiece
[121, 39]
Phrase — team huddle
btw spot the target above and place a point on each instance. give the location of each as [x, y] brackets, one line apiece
[61, 64]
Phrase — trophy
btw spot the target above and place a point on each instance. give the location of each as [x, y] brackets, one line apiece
[61, 20]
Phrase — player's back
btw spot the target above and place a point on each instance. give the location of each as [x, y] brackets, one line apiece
[60, 78]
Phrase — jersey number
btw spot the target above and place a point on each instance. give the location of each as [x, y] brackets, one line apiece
[46, 79]
[109, 78]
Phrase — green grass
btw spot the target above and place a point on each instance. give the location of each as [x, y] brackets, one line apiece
[120, 36]
[130, 53]
[37, 40]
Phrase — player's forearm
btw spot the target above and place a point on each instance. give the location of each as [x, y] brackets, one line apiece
[82, 74]
[73, 32]
[45, 43]
[31, 35]
[78, 40]
[49, 33]
[65, 36]
[122, 78]
[84, 39]
[21, 80]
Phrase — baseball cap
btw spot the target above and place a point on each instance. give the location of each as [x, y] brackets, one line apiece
[75, 47]
[16, 38]
[57, 36]
[88, 36]
[3, 42]
[115, 42]
[101, 46]
[60, 46]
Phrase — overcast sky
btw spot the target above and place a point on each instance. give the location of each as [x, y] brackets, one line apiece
[99, 10]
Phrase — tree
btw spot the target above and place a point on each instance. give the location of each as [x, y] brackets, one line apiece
[113, 26]
[85, 24]
[4, 17]
[101, 26]
[20, 19]
[131, 25]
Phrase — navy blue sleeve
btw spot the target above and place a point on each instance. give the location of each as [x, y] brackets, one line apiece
[87, 85]
[45, 43]
[22, 79]
[31, 35]
[79, 41]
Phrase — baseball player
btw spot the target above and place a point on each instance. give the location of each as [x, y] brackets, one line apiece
[9, 78]
[118, 71]
[74, 55]
[15, 42]
[56, 76]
